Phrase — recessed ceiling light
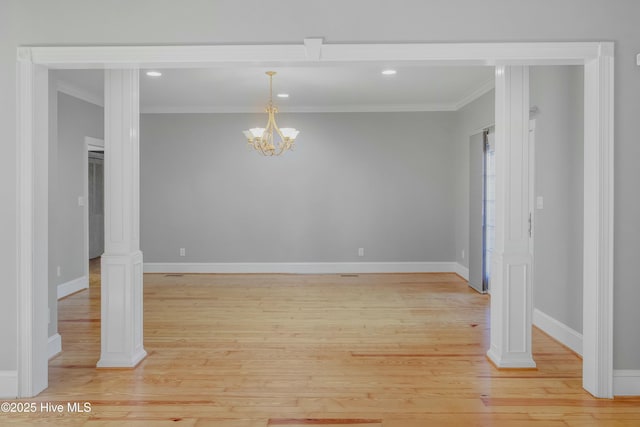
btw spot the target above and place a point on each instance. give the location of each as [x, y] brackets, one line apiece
[154, 73]
[389, 72]
[283, 95]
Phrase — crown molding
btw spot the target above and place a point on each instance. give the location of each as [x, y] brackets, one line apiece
[354, 108]
[483, 89]
[76, 92]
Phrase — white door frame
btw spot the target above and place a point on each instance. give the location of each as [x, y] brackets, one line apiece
[90, 144]
[532, 198]
[597, 58]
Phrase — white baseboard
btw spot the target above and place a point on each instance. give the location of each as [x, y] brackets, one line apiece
[626, 382]
[558, 330]
[461, 271]
[73, 286]
[302, 267]
[54, 346]
[8, 384]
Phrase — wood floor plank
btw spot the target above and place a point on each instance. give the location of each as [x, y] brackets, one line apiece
[331, 422]
[366, 350]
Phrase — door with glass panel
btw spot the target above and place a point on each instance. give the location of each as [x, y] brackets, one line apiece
[489, 207]
[96, 203]
[481, 209]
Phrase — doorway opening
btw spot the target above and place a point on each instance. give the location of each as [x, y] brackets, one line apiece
[598, 206]
[488, 206]
[482, 197]
[95, 206]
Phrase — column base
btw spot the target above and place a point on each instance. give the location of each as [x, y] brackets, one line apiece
[121, 361]
[511, 361]
[121, 310]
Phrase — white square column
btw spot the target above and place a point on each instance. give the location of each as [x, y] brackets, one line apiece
[121, 304]
[511, 296]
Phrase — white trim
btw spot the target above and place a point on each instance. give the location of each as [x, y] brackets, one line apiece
[551, 53]
[94, 144]
[558, 331]
[121, 361]
[351, 108]
[76, 92]
[461, 270]
[511, 302]
[300, 267]
[8, 384]
[626, 382]
[598, 265]
[483, 89]
[73, 286]
[597, 57]
[32, 252]
[482, 129]
[25, 212]
[54, 345]
[99, 57]
[121, 313]
[511, 362]
[313, 48]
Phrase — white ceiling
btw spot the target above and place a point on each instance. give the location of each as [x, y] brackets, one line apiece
[359, 87]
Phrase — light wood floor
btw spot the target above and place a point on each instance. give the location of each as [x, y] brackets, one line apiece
[392, 350]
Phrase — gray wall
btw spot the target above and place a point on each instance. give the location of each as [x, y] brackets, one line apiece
[380, 181]
[470, 119]
[87, 22]
[557, 273]
[76, 119]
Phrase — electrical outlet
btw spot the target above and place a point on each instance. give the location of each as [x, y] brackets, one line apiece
[463, 254]
[182, 252]
[360, 251]
[59, 271]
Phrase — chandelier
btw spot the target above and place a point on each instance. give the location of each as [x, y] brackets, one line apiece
[261, 139]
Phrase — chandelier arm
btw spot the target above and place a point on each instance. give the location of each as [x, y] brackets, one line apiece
[275, 126]
[285, 143]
